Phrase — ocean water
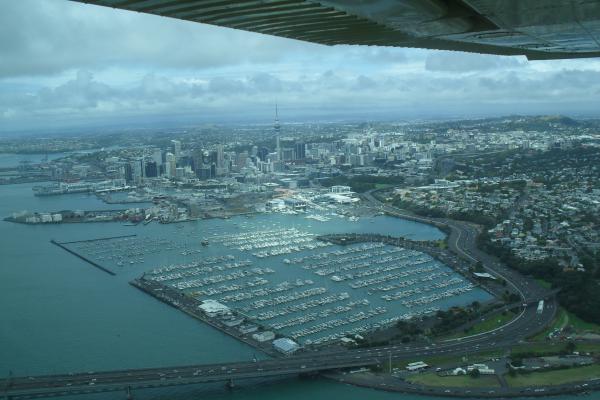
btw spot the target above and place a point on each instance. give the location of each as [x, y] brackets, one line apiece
[13, 160]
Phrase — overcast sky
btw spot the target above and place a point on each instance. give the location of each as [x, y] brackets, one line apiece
[69, 64]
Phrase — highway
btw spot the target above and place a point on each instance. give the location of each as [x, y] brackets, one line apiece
[461, 241]
[89, 382]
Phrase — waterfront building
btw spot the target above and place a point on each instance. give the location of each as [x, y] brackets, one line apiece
[213, 308]
[341, 189]
[285, 345]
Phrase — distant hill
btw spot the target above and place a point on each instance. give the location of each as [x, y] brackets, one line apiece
[560, 119]
[518, 122]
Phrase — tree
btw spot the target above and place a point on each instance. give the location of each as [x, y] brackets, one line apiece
[570, 347]
[474, 373]
[479, 266]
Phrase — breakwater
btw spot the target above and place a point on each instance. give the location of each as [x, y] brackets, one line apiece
[98, 239]
[95, 264]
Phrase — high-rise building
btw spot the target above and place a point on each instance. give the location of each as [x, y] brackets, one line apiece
[220, 156]
[204, 172]
[197, 160]
[137, 168]
[171, 166]
[127, 172]
[286, 154]
[300, 150]
[176, 148]
[157, 157]
[151, 169]
[263, 153]
[240, 160]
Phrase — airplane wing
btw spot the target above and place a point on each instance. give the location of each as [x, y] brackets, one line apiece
[538, 29]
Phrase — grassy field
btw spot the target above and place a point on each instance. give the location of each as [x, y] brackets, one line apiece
[563, 319]
[580, 325]
[555, 347]
[490, 323]
[432, 379]
[540, 347]
[544, 284]
[454, 360]
[560, 321]
[554, 377]
[588, 347]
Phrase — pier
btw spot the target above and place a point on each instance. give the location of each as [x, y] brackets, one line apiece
[100, 267]
[189, 305]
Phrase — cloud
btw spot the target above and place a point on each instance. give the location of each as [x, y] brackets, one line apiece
[453, 61]
[44, 37]
[156, 93]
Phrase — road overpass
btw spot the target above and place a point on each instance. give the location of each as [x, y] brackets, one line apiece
[48, 386]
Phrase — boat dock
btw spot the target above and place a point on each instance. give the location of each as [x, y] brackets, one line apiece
[445, 256]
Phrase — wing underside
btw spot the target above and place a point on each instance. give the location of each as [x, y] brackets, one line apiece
[549, 29]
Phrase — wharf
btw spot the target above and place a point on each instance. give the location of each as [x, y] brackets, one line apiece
[100, 267]
[189, 305]
[68, 217]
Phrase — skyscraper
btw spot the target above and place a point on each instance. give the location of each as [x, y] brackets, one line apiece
[157, 157]
[220, 156]
[171, 165]
[300, 151]
[151, 169]
[176, 148]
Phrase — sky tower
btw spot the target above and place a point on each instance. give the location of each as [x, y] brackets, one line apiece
[277, 128]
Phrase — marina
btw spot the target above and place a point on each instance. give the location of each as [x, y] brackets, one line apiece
[289, 281]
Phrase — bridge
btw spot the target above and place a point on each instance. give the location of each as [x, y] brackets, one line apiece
[47, 386]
